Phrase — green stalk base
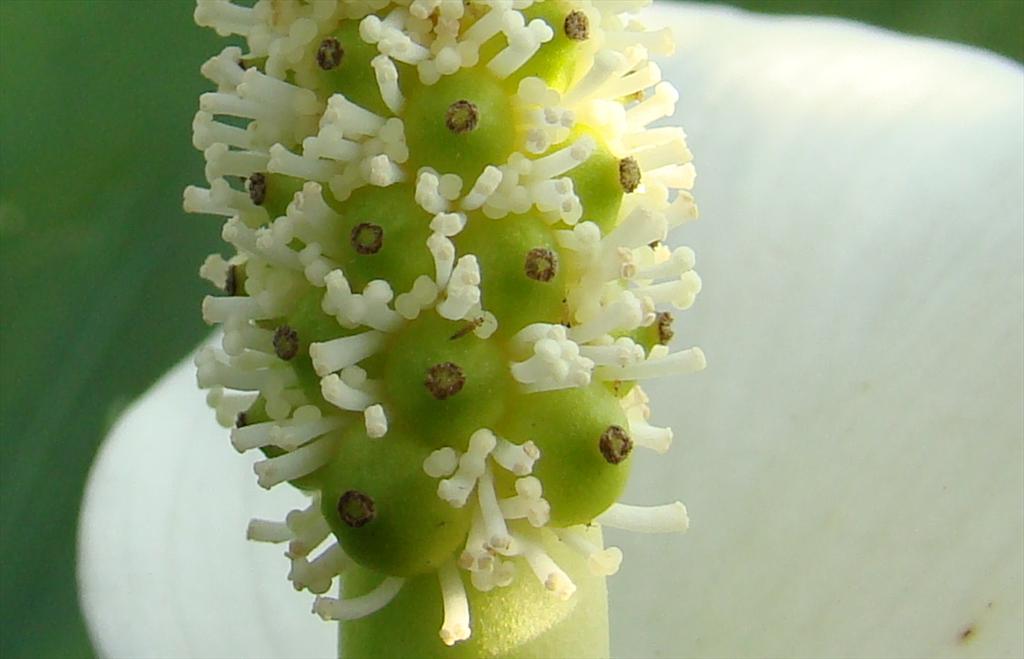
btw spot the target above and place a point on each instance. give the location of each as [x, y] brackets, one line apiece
[522, 620]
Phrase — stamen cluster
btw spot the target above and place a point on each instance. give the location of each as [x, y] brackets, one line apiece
[449, 273]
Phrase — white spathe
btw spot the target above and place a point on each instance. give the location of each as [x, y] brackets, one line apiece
[853, 457]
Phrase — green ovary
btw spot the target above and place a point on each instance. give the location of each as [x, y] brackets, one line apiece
[412, 531]
[353, 75]
[522, 270]
[465, 149]
[567, 426]
[596, 183]
[384, 236]
[445, 413]
[555, 61]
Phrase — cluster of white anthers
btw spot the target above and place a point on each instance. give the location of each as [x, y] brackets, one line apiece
[266, 119]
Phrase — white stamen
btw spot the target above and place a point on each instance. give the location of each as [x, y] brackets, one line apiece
[423, 294]
[487, 326]
[641, 227]
[497, 532]
[547, 571]
[659, 363]
[448, 224]
[485, 186]
[601, 562]
[223, 68]
[516, 458]
[643, 433]
[336, 354]
[309, 529]
[463, 291]
[206, 132]
[456, 489]
[443, 252]
[427, 194]
[441, 463]
[375, 420]
[607, 63]
[353, 119]
[637, 81]
[295, 464]
[523, 43]
[682, 260]
[330, 608]
[679, 293]
[284, 161]
[476, 555]
[668, 518]
[563, 160]
[317, 575]
[213, 371]
[661, 104]
[377, 295]
[220, 162]
[623, 352]
[527, 503]
[556, 362]
[222, 308]
[329, 143]
[263, 530]
[681, 210]
[251, 436]
[240, 336]
[228, 406]
[283, 96]
[455, 627]
[215, 270]
[450, 186]
[336, 392]
[668, 153]
[382, 171]
[625, 313]
[292, 435]
[387, 80]
[482, 30]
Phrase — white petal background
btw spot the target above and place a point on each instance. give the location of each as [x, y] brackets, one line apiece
[852, 459]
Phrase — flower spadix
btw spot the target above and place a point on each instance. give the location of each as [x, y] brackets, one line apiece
[449, 272]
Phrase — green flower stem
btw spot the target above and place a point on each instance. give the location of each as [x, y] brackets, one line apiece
[522, 620]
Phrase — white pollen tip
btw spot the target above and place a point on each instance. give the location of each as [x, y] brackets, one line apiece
[376, 421]
[455, 626]
[452, 635]
[605, 563]
[441, 463]
[560, 586]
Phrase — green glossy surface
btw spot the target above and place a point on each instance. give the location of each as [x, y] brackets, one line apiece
[465, 154]
[554, 62]
[566, 426]
[403, 255]
[413, 530]
[479, 403]
[596, 183]
[501, 247]
[354, 76]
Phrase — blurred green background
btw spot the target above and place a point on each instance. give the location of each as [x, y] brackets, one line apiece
[98, 292]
